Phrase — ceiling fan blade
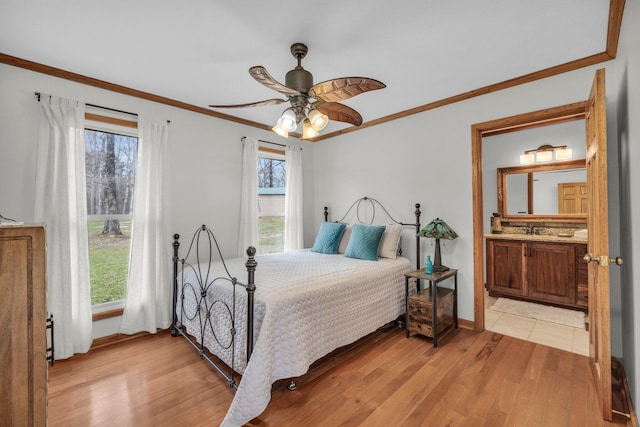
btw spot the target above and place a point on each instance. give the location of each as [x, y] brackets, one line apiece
[252, 104]
[339, 112]
[262, 76]
[344, 88]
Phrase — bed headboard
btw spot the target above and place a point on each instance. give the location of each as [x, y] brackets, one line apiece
[373, 204]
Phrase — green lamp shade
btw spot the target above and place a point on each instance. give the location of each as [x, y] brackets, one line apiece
[438, 229]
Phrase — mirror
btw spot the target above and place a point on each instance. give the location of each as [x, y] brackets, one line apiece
[543, 191]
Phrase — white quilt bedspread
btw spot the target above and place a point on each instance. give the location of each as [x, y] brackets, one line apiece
[307, 305]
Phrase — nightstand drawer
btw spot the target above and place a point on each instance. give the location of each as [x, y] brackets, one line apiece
[421, 311]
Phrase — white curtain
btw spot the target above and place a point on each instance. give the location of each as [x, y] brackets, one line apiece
[149, 289]
[248, 235]
[293, 236]
[61, 204]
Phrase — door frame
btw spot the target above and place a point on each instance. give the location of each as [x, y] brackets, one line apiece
[549, 116]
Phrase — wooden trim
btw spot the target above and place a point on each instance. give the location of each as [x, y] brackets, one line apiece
[90, 81]
[616, 9]
[114, 339]
[530, 169]
[111, 120]
[533, 119]
[528, 78]
[622, 401]
[271, 150]
[466, 324]
[107, 314]
[507, 124]
[478, 227]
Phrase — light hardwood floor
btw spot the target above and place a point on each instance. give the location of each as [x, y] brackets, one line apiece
[385, 379]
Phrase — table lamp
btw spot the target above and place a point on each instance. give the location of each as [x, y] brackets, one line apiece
[438, 229]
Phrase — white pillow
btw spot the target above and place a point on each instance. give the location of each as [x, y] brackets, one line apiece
[344, 241]
[389, 242]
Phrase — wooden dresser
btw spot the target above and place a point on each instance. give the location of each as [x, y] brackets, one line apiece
[23, 367]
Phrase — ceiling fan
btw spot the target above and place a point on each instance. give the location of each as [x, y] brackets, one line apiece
[312, 105]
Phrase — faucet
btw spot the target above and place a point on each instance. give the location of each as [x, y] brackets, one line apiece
[530, 229]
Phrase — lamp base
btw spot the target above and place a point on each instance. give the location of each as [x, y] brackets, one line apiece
[440, 268]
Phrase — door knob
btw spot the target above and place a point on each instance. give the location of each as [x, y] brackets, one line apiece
[602, 259]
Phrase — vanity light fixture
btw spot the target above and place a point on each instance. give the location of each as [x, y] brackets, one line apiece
[544, 153]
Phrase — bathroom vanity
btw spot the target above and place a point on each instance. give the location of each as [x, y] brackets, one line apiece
[546, 269]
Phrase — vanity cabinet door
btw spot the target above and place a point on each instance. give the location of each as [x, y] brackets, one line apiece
[506, 267]
[552, 272]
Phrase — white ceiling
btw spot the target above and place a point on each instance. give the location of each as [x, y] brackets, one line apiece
[198, 51]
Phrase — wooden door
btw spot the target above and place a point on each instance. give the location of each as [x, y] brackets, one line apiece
[572, 198]
[598, 243]
[552, 272]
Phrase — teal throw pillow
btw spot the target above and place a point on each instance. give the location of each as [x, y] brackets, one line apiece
[328, 237]
[364, 242]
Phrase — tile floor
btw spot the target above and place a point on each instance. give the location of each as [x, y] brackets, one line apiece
[563, 337]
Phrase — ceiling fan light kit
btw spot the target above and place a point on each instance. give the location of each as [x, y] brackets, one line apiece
[312, 105]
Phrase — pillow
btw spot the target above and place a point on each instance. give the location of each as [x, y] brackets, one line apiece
[344, 241]
[364, 242]
[328, 238]
[390, 241]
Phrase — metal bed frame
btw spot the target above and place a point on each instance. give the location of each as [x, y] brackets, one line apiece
[201, 249]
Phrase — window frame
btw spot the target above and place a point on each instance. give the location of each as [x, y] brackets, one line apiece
[116, 122]
[272, 154]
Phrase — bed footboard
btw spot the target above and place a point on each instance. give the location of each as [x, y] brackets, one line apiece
[202, 286]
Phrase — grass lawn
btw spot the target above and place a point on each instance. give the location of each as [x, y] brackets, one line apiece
[108, 262]
[271, 232]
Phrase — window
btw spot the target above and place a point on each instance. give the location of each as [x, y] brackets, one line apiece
[110, 161]
[271, 193]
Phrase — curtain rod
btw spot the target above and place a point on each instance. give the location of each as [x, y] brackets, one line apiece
[37, 94]
[266, 142]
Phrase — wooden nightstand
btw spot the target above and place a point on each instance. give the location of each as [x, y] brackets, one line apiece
[420, 315]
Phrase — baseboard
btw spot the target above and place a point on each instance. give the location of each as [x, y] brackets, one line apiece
[622, 403]
[117, 338]
[466, 324]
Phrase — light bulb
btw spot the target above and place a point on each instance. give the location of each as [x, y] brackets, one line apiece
[526, 158]
[318, 120]
[544, 156]
[564, 154]
[288, 121]
[307, 130]
[277, 129]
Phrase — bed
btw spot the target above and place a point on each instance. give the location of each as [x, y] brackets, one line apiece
[293, 308]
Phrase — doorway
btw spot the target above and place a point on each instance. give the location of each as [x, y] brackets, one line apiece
[593, 111]
[521, 191]
[575, 111]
